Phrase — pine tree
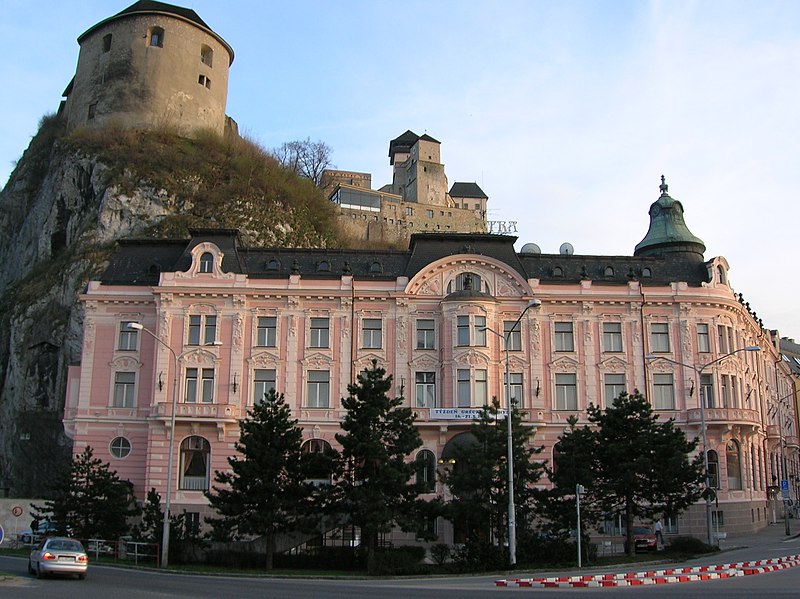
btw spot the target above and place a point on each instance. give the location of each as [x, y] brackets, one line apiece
[264, 493]
[374, 485]
[631, 463]
[479, 478]
[90, 500]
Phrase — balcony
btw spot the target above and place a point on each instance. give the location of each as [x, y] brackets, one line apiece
[792, 442]
[724, 416]
[192, 411]
[773, 431]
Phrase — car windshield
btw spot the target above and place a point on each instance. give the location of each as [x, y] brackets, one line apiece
[65, 546]
[642, 531]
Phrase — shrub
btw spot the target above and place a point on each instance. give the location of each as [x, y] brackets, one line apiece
[689, 545]
[399, 560]
[440, 553]
[477, 556]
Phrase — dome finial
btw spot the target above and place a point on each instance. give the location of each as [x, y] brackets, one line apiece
[663, 187]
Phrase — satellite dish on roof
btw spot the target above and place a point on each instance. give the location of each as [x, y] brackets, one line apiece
[530, 248]
[566, 249]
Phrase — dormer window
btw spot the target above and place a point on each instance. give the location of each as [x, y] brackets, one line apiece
[207, 262]
[721, 276]
[324, 266]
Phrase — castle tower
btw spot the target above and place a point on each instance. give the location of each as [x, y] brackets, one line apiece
[418, 170]
[152, 64]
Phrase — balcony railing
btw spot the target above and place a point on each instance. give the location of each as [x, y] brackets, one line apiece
[723, 415]
[194, 483]
[773, 431]
[212, 411]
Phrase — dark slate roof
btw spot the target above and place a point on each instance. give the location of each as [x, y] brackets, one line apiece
[791, 351]
[467, 190]
[405, 142]
[153, 7]
[139, 262]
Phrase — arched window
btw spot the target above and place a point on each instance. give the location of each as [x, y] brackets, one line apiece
[734, 465]
[195, 464]
[319, 472]
[609, 271]
[468, 280]
[721, 275]
[324, 266]
[646, 273]
[206, 55]
[273, 264]
[558, 271]
[207, 262]
[425, 466]
[713, 469]
[156, 36]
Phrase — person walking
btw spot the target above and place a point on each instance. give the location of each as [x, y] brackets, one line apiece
[659, 535]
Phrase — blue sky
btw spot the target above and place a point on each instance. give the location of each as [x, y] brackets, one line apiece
[565, 113]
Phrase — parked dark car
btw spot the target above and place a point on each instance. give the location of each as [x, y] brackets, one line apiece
[58, 555]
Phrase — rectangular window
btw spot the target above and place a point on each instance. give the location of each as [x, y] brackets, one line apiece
[267, 331]
[207, 325]
[319, 332]
[725, 394]
[462, 331]
[612, 336]
[463, 396]
[190, 388]
[92, 110]
[614, 385]
[707, 390]
[566, 392]
[429, 213]
[659, 337]
[426, 334]
[480, 331]
[207, 389]
[107, 42]
[564, 340]
[481, 388]
[199, 389]
[670, 524]
[371, 329]
[514, 337]
[723, 339]
[718, 518]
[663, 392]
[263, 382]
[319, 382]
[703, 339]
[426, 389]
[124, 389]
[515, 390]
[128, 337]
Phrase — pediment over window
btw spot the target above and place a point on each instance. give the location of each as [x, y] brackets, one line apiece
[206, 263]
[364, 362]
[264, 359]
[317, 361]
[125, 363]
[198, 357]
[516, 364]
[444, 276]
[424, 362]
[470, 357]
[565, 364]
[613, 364]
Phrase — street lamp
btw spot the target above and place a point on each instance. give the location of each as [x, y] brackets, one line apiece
[171, 443]
[512, 528]
[699, 372]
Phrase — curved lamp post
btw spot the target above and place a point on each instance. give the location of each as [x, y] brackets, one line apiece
[699, 372]
[512, 527]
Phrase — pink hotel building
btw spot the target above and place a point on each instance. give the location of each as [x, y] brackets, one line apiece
[234, 321]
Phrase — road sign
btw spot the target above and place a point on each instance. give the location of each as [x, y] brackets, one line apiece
[2, 534]
[785, 488]
[17, 511]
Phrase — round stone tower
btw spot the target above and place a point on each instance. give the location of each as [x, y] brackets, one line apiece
[150, 65]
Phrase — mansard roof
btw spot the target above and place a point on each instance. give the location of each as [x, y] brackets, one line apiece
[467, 190]
[139, 262]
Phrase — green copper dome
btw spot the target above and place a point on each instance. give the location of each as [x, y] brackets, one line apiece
[668, 232]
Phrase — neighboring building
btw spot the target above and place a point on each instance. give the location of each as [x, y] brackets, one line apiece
[417, 200]
[306, 321]
[151, 65]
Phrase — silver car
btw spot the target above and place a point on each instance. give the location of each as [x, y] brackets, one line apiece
[58, 555]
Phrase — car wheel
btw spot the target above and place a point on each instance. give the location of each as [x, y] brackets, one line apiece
[30, 567]
[82, 576]
[39, 573]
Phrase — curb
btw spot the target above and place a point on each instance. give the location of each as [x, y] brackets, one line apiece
[665, 576]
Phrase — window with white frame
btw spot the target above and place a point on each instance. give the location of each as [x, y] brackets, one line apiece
[199, 385]
[566, 392]
[612, 336]
[614, 386]
[202, 329]
[318, 389]
[263, 383]
[124, 389]
[318, 472]
[563, 337]
[659, 337]
[713, 469]
[120, 447]
[371, 329]
[195, 464]
[426, 389]
[516, 388]
[734, 465]
[471, 330]
[425, 466]
[707, 390]
[471, 390]
[703, 338]
[663, 392]
[722, 336]
[207, 262]
[724, 391]
[468, 280]
[267, 331]
[320, 332]
[426, 333]
[128, 337]
[512, 334]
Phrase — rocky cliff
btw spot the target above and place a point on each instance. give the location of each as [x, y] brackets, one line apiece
[66, 203]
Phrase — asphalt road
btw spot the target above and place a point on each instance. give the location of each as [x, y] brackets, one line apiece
[117, 583]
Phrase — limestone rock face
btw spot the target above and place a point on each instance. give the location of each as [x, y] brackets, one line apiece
[57, 214]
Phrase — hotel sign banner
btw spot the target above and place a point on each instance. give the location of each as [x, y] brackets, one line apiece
[461, 413]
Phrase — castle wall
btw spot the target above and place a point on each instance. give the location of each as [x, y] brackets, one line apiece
[131, 80]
